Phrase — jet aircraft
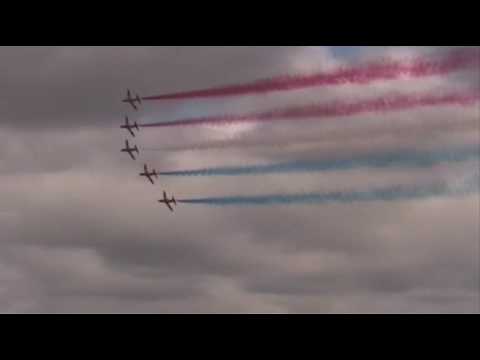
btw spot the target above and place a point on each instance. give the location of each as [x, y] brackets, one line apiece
[129, 126]
[131, 100]
[130, 150]
[167, 201]
[148, 174]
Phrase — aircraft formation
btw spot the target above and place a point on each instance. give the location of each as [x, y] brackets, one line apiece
[130, 150]
[376, 145]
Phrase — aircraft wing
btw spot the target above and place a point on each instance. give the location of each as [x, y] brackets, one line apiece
[131, 131]
[133, 104]
[167, 203]
[131, 155]
[150, 178]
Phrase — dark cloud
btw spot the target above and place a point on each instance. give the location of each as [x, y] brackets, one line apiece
[69, 87]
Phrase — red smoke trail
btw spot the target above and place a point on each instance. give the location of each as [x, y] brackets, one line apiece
[356, 136]
[317, 112]
[380, 70]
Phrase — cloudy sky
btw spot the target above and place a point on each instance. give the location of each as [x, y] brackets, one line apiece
[80, 231]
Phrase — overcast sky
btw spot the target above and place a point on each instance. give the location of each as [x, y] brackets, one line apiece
[80, 231]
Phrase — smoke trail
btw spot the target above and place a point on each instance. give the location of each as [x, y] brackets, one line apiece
[412, 159]
[399, 192]
[333, 109]
[331, 136]
[380, 70]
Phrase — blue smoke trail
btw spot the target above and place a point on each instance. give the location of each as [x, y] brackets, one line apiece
[413, 159]
[471, 185]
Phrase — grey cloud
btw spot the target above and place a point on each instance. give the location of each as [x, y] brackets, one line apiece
[80, 231]
[76, 86]
[372, 278]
